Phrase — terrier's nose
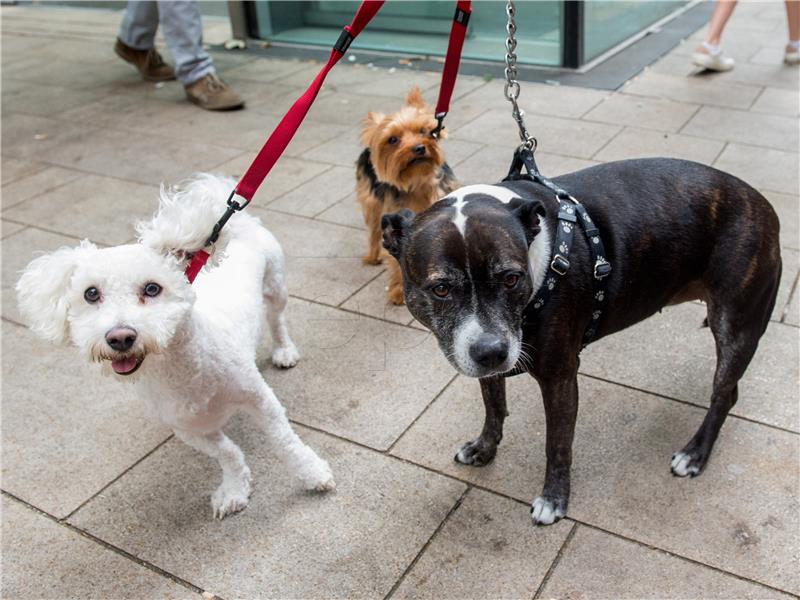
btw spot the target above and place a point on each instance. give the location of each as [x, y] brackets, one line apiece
[419, 149]
[489, 351]
[121, 338]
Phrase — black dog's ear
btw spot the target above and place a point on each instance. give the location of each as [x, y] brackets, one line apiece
[529, 212]
[394, 226]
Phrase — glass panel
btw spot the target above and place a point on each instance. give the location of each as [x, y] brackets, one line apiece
[607, 23]
[419, 27]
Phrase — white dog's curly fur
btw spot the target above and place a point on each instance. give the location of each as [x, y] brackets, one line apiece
[189, 350]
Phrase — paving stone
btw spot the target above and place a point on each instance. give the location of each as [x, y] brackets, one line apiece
[793, 314]
[42, 559]
[343, 149]
[487, 549]
[647, 113]
[75, 75]
[789, 273]
[767, 56]
[29, 136]
[362, 379]
[268, 70]
[575, 138]
[65, 436]
[693, 90]
[788, 208]
[317, 194]
[777, 102]
[42, 99]
[743, 510]
[345, 108]
[640, 143]
[353, 543]
[13, 169]
[763, 168]
[344, 212]
[371, 300]
[100, 208]
[39, 182]
[746, 127]
[682, 364]
[598, 565]
[776, 75]
[9, 228]
[18, 251]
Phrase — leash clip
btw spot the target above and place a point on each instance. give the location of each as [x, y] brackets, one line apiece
[439, 124]
[233, 207]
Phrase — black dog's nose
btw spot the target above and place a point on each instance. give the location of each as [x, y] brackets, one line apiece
[419, 149]
[489, 351]
[121, 338]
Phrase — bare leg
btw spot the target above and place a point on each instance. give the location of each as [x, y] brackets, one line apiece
[723, 9]
[481, 451]
[793, 21]
[234, 492]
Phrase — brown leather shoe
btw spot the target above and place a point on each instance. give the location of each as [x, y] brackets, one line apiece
[211, 93]
[148, 62]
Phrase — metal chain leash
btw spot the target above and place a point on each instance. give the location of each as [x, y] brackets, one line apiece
[511, 88]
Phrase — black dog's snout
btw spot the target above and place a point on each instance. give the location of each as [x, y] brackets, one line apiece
[419, 149]
[121, 338]
[489, 351]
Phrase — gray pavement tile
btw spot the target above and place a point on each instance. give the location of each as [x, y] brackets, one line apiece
[345, 108]
[29, 136]
[319, 193]
[269, 70]
[323, 260]
[358, 378]
[139, 157]
[22, 190]
[487, 549]
[76, 75]
[681, 365]
[776, 75]
[767, 56]
[18, 251]
[371, 300]
[67, 430]
[788, 208]
[13, 169]
[763, 168]
[793, 314]
[740, 51]
[8, 228]
[692, 89]
[742, 512]
[746, 127]
[397, 83]
[345, 212]
[342, 150]
[42, 559]
[640, 143]
[789, 273]
[778, 102]
[564, 136]
[598, 565]
[457, 151]
[100, 208]
[42, 99]
[352, 543]
[647, 113]
[74, 50]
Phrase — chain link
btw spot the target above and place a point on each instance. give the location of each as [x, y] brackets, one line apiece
[511, 89]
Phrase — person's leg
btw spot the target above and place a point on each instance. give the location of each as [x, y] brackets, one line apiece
[183, 32]
[723, 9]
[139, 24]
[709, 55]
[793, 20]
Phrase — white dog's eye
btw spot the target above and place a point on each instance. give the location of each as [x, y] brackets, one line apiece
[91, 295]
[152, 289]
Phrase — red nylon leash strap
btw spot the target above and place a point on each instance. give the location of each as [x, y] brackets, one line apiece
[458, 31]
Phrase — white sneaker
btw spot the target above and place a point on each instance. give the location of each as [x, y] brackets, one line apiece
[792, 58]
[718, 62]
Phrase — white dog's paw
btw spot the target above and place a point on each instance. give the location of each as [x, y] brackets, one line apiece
[545, 511]
[286, 356]
[318, 477]
[231, 497]
[684, 464]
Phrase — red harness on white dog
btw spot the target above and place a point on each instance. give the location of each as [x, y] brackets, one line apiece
[281, 136]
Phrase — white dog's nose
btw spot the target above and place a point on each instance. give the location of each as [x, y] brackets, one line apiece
[121, 338]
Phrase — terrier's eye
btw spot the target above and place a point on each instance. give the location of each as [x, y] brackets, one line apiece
[511, 280]
[152, 289]
[442, 290]
[393, 140]
[422, 131]
[91, 295]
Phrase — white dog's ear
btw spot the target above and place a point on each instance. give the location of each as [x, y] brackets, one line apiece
[42, 291]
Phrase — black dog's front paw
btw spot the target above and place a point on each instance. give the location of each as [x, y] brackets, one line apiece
[476, 453]
[546, 510]
[689, 461]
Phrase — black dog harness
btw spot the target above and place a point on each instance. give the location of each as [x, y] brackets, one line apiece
[570, 212]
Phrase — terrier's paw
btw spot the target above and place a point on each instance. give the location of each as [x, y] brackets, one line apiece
[476, 453]
[319, 477]
[546, 511]
[395, 295]
[231, 496]
[286, 356]
[371, 260]
[689, 463]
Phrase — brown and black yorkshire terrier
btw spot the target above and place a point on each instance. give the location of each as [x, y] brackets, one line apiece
[402, 166]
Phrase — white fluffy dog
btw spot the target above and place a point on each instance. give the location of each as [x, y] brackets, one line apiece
[190, 350]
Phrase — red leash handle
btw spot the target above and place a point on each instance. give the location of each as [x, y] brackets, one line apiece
[458, 32]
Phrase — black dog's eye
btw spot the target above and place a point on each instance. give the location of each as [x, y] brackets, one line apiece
[152, 289]
[91, 295]
[511, 280]
[442, 290]
[393, 140]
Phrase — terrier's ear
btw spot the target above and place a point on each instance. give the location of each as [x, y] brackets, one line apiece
[414, 98]
[528, 211]
[42, 291]
[395, 227]
[369, 125]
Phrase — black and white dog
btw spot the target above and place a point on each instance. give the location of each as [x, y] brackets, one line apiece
[673, 231]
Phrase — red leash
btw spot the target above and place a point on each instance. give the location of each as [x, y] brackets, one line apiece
[273, 148]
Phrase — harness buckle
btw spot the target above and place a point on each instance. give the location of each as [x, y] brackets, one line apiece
[602, 268]
[560, 264]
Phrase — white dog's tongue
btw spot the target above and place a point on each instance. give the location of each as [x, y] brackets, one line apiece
[124, 365]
